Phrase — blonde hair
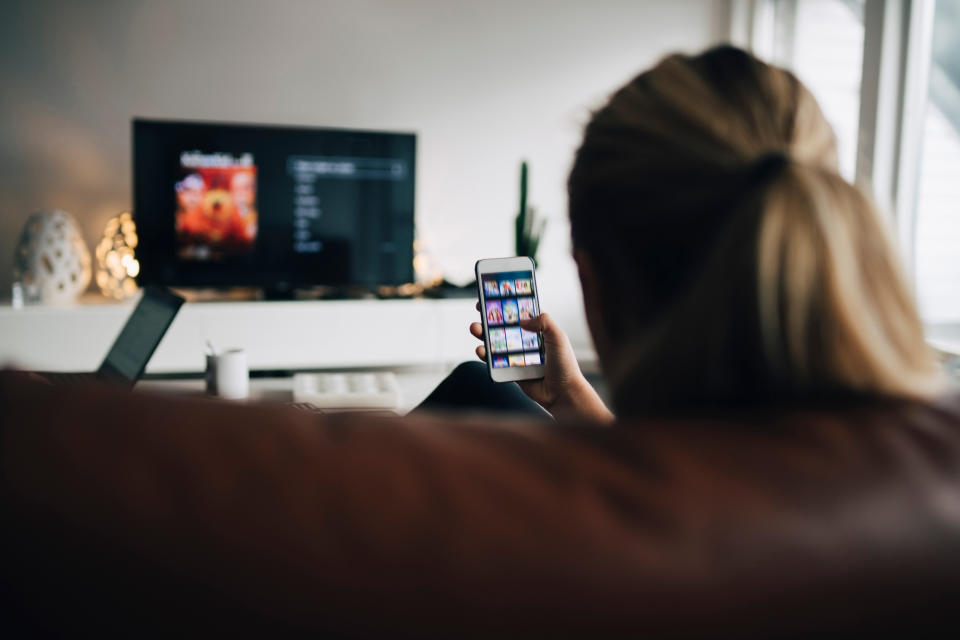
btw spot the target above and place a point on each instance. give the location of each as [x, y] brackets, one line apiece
[734, 263]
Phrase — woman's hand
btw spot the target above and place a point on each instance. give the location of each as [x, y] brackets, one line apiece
[563, 388]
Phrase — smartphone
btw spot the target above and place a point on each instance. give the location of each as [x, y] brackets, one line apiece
[508, 293]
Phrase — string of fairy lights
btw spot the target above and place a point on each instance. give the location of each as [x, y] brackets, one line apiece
[117, 266]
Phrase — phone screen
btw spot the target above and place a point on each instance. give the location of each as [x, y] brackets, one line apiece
[510, 297]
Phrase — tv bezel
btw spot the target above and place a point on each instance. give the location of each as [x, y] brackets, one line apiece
[168, 270]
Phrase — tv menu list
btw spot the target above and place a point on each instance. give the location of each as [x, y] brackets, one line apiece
[315, 175]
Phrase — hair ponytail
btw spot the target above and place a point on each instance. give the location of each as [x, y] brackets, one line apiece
[834, 310]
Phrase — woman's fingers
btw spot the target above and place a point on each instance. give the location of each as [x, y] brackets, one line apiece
[542, 323]
[476, 330]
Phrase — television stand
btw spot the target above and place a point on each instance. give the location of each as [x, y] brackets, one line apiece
[287, 335]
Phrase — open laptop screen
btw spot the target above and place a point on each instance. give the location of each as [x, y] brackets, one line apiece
[140, 336]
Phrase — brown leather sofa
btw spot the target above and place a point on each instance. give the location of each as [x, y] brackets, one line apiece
[141, 515]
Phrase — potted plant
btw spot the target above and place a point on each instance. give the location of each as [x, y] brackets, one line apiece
[527, 226]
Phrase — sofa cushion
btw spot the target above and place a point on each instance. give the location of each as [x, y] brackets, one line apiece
[130, 511]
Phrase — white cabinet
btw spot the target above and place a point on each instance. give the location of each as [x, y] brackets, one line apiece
[280, 335]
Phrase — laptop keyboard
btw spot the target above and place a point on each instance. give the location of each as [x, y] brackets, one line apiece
[60, 377]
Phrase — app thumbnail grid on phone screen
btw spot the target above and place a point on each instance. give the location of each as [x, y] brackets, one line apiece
[508, 299]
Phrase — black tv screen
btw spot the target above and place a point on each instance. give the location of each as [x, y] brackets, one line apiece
[220, 205]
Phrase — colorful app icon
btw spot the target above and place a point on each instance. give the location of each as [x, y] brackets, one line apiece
[514, 339]
[507, 288]
[516, 360]
[531, 357]
[530, 339]
[526, 308]
[498, 341]
[499, 362]
[510, 312]
[524, 287]
[494, 312]
[490, 288]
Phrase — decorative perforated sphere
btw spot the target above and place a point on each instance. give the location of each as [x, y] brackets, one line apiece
[117, 266]
[51, 261]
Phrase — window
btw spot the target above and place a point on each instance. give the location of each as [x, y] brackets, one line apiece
[828, 58]
[821, 41]
[936, 254]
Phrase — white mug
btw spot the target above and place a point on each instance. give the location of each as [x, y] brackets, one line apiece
[230, 376]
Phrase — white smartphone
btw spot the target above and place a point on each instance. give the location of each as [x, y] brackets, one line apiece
[508, 294]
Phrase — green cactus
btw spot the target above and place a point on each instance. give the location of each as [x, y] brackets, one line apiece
[528, 228]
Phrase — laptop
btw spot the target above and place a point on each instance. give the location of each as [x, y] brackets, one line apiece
[130, 353]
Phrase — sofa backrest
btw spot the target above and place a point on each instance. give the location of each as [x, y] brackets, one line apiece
[131, 511]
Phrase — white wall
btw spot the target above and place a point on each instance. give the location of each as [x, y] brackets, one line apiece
[484, 84]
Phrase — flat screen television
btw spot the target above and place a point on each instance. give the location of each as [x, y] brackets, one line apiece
[227, 205]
